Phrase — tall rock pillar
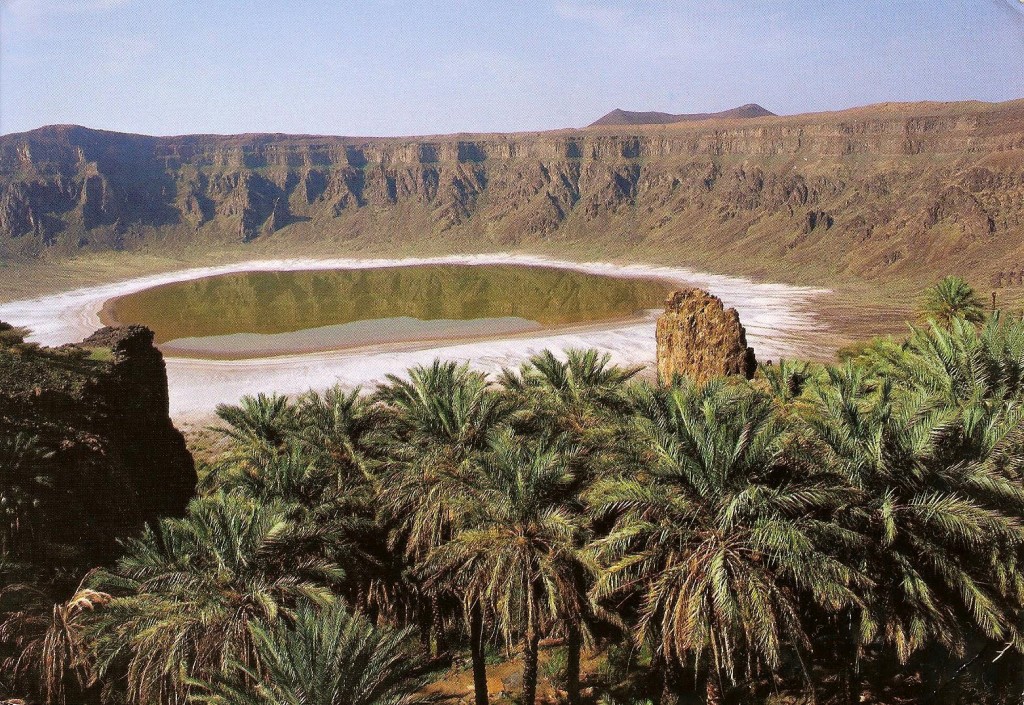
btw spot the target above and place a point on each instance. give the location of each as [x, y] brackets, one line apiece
[699, 338]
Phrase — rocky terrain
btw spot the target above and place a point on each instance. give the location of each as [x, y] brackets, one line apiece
[109, 454]
[888, 192]
[697, 337]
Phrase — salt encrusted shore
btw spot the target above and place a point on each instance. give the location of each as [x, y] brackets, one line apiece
[780, 321]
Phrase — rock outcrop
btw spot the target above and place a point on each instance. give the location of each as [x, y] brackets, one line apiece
[902, 192]
[699, 338]
[114, 460]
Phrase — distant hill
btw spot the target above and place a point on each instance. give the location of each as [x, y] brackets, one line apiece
[628, 117]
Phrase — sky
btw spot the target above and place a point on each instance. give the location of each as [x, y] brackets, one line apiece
[412, 67]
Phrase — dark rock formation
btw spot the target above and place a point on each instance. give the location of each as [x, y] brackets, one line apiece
[699, 338]
[100, 409]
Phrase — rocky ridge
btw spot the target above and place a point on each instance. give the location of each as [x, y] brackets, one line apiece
[883, 191]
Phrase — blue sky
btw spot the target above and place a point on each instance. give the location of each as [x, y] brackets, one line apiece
[390, 67]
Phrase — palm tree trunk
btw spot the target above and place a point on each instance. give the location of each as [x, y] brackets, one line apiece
[670, 679]
[574, 644]
[476, 646]
[851, 672]
[424, 621]
[530, 646]
[435, 625]
[714, 690]
[851, 684]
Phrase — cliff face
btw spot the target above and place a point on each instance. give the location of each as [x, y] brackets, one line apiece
[699, 338]
[871, 192]
[114, 460]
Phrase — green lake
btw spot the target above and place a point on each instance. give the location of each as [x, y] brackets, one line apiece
[256, 313]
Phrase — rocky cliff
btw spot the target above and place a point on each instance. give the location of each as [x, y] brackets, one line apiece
[110, 456]
[890, 190]
[697, 337]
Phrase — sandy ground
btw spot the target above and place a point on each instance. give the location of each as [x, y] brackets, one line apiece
[780, 322]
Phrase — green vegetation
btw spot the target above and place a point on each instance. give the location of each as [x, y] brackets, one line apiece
[10, 336]
[823, 533]
[279, 302]
[23, 485]
[952, 299]
[101, 354]
[329, 657]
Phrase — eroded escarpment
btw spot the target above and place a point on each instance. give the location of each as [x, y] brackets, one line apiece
[111, 457]
[892, 190]
[698, 338]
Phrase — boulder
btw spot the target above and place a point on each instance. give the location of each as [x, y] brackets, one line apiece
[699, 338]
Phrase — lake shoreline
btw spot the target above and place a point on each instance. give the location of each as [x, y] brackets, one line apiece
[781, 321]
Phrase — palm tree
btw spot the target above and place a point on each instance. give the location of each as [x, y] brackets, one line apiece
[340, 506]
[578, 394]
[290, 475]
[11, 336]
[258, 424]
[786, 380]
[938, 501]
[950, 299]
[961, 363]
[186, 593]
[519, 553]
[720, 538]
[322, 657]
[585, 398]
[342, 429]
[442, 420]
[51, 651]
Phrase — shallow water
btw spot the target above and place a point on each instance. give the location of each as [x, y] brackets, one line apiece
[303, 311]
[345, 336]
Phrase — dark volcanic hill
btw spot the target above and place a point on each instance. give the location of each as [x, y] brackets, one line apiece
[627, 117]
[892, 191]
